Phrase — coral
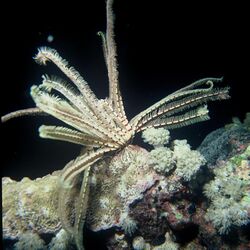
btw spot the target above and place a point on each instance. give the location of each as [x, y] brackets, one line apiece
[134, 199]
[103, 127]
[30, 241]
[223, 143]
[32, 205]
[162, 159]
[188, 161]
[224, 213]
[139, 243]
[185, 161]
[61, 241]
[128, 224]
[229, 193]
[119, 186]
[156, 137]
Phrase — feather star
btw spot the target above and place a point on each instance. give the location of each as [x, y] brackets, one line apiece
[101, 124]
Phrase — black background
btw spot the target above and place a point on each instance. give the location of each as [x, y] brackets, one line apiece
[161, 47]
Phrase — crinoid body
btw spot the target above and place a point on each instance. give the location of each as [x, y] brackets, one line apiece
[101, 125]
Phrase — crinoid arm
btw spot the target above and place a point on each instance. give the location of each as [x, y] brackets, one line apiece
[81, 209]
[195, 115]
[74, 227]
[82, 162]
[68, 180]
[169, 112]
[56, 98]
[104, 46]
[47, 54]
[22, 112]
[73, 136]
[109, 50]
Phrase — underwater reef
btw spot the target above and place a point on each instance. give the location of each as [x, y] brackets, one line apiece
[121, 194]
[169, 197]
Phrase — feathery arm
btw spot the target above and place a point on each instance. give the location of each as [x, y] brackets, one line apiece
[184, 98]
[22, 112]
[110, 50]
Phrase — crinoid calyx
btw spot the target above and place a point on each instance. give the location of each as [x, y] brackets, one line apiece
[101, 125]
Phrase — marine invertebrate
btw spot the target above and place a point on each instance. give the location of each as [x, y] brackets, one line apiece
[223, 143]
[128, 224]
[101, 124]
[118, 187]
[180, 158]
[30, 241]
[139, 243]
[60, 241]
[156, 137]
[229, 194]
[188, 161]
[162, 159]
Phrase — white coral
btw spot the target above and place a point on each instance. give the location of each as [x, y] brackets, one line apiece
[139, 243]
[128, 224]
[225, 212]
[227, 194]
[188, 161]
[156, 137]
[162, 159]
[61, 241]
